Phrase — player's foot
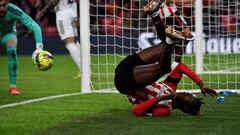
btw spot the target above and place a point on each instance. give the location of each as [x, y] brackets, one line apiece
[187, 35]
[153, 6]
[14, 91]
[173, 34]
[182, 35]
[78, 76]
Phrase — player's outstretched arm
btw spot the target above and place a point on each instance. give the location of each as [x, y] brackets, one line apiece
[34, 27]
[18, 14]
[191, 74]
[51, 4]
[205, 89]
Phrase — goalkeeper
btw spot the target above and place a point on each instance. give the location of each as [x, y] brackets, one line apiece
[136, 71]
[9, 14]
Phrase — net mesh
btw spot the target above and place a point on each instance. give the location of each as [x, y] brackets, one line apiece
[119, 28]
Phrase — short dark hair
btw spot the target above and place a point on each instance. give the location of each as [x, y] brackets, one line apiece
[191, 105]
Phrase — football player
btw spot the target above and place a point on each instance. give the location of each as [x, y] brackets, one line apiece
[67, 25]
[159, 98]
[140, 69]
[9, 14]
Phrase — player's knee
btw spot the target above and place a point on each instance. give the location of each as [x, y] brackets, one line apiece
[69, 40]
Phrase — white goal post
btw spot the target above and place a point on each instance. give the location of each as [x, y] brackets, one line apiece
[199, 35]
[110, 30]
[85, 46]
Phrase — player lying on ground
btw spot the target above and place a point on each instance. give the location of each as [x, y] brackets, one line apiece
[9, 14]
[159, 99]
[140, 69]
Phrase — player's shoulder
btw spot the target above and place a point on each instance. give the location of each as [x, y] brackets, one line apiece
[14, 9]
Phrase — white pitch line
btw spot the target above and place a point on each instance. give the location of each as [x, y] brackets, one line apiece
[39, 99]
[52, 97]
[79, 93]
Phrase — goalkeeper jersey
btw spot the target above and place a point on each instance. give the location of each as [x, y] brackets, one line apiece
[8, 22]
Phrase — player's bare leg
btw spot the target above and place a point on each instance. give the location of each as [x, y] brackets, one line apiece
[157, 58]
[158, 61]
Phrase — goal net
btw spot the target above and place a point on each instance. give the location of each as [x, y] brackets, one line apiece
[121, 27]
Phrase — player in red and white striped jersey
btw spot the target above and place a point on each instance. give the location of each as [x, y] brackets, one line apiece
[140, 69]
[160, 99]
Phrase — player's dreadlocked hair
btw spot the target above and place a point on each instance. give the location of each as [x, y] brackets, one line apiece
[187, 103]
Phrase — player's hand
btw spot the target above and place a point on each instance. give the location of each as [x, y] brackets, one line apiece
[209, 91]
[39, 15]
[36, 51]
[172, 94]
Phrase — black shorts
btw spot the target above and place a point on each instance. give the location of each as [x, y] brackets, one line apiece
[124, 78]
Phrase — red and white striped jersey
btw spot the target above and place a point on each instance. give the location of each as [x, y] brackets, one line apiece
[160, 88]
[152, 91]
[167, 10]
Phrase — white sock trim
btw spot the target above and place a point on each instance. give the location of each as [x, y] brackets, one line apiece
[174, 65]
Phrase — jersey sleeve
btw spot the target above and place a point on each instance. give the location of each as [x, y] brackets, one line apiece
[28, 22]
[176, 75]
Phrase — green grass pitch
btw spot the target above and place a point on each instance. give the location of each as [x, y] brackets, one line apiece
[96, 114]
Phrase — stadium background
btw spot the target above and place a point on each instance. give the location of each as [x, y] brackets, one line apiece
[109, 22]
[100, 114]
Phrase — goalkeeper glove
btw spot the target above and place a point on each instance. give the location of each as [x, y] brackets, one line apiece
[39, 48]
